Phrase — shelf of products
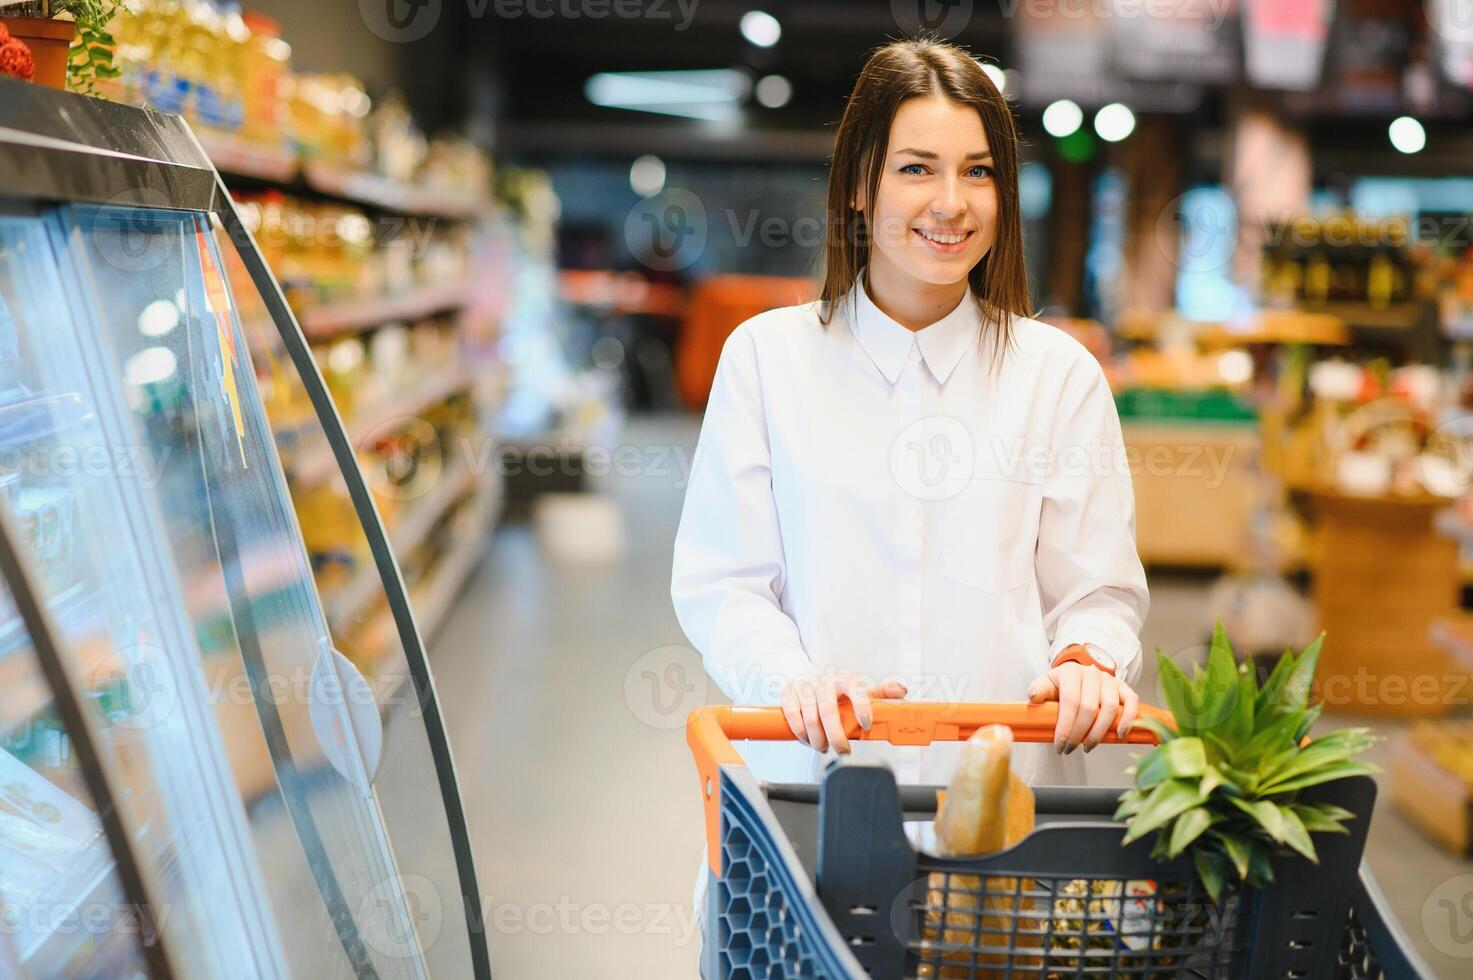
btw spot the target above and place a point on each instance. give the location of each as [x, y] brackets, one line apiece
[407, 535]
[374, 421]
[1431, 782]
[328, 320]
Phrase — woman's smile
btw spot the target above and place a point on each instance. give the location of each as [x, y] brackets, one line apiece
[945, 241]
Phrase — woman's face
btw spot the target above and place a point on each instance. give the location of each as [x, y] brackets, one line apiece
[935, 214]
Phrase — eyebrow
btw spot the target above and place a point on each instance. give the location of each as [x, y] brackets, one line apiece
[928, 155]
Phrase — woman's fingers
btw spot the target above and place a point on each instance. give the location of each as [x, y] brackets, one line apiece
[1042, 689]
[808, 696]
[1066, 681]
[1130, 709]
[1109, 708]
[893, 689]
[793, 714]
[1089, 705]
[828, 713]
[857, 690]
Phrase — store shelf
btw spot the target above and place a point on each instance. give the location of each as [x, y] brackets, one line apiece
[1322, 327]
[315, 468]
[432, 598]
[391, 195]
[280, 164]
[329, 320]
[273, 163]
[364, 587]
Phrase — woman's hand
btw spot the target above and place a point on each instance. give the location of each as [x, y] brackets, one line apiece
[811, 706]
[1090, 701]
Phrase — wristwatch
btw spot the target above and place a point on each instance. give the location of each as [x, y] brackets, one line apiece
[1089, 654]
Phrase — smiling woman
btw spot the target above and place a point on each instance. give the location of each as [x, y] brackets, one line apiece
[923, 190]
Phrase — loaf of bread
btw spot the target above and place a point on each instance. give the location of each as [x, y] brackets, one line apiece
[985, 808]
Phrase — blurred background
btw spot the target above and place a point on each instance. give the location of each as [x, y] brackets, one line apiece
[518, 232]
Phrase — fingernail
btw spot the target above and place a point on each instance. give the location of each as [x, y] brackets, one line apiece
[1059, 747]
[1070, 750]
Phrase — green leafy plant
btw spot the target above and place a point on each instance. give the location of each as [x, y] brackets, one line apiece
[91, 56]
[1224, 785]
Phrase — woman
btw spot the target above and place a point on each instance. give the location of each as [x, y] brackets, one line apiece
[910, 488]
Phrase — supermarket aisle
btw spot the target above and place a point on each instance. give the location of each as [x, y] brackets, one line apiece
[582, 803]
[584, 814]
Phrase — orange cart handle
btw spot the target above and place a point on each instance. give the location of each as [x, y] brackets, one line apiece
[710, 731]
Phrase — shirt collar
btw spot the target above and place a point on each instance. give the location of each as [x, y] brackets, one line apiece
[888, 343]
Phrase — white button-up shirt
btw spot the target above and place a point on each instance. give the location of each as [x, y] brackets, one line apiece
[904, 505]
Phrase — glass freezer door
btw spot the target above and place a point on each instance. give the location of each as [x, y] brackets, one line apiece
[142, 476]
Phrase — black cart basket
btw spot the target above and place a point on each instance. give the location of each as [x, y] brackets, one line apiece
[823, 881]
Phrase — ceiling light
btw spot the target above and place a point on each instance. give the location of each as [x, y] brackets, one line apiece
[1062, 118]
[1114, 122]
[761, 28]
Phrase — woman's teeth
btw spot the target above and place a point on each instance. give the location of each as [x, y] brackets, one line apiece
[942, 239]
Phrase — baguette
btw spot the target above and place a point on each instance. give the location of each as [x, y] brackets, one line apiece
[985, 809]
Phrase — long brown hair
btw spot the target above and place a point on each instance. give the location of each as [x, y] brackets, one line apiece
[895, 72]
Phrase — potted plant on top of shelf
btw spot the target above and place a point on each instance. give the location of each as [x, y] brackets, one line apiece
[67, 41]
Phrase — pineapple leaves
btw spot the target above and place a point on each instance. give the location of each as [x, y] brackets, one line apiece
[1222, 785]
[1188, 827]
[1162, 804]
[1182, 758]
[1212, 868]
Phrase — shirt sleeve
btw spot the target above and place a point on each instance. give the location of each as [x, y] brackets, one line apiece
[728, 569]
[1090, 576]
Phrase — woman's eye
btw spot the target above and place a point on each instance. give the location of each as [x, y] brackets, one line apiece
[913, 168]
[980, 172]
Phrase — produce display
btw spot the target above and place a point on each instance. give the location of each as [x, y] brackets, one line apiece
[1449, 743]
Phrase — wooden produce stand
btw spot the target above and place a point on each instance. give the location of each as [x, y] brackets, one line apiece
[1383, 576]
[1193, 491]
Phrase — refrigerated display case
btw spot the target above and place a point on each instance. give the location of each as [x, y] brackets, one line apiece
[268, 809]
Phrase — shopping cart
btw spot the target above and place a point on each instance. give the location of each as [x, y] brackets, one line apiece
[822, 880]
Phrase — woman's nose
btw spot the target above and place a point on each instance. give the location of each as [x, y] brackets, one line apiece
[948, 203]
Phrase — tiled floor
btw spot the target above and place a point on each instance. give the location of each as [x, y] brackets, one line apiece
[564, 689]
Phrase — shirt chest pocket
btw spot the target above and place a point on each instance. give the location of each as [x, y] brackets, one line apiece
[988, 534]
